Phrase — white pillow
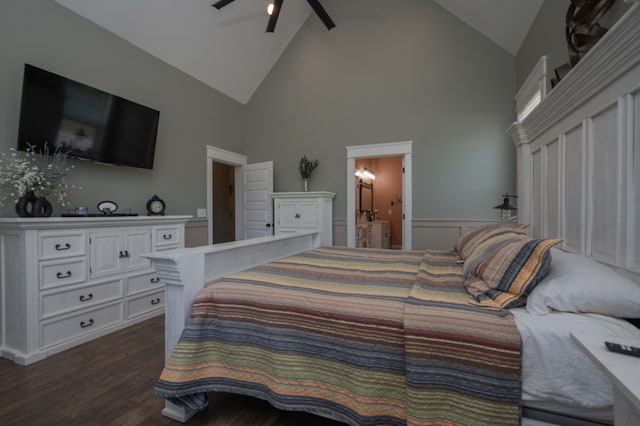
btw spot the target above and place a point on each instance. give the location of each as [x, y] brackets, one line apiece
[580, 284]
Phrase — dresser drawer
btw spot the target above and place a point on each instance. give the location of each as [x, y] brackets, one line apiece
[56, 273]
[164, 236]
[55, 332]
[79, 297]
[59, 244]
[139, 283]
[143, 304]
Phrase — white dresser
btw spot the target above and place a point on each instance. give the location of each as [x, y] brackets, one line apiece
[295, 211]
[65, 281]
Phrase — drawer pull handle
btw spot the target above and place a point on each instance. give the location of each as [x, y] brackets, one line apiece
[124, 254]
[155, 280]
[84, 298]
[87, 324]
[60, 275]
[59, 247]
[297, 215]
[167, 236]
[155, 301]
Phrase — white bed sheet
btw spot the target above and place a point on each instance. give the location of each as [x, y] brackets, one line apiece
[554, 369]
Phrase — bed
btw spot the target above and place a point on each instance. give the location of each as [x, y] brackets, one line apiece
[429, 340]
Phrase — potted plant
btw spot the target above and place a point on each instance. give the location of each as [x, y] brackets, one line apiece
[30, 178]
[306, 167]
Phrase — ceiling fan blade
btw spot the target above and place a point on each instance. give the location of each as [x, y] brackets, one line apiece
[273, 19]
[221, 3]
[322, 14]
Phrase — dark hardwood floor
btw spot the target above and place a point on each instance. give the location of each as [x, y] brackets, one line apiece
[110, 381]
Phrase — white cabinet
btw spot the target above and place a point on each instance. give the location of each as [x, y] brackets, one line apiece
[296, 211]
[119, 251]
[374, 234]
[65, 281]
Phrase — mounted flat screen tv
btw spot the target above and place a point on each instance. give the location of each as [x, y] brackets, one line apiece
[85, 122]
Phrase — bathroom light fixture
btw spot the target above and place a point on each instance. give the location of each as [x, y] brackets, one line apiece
[369, 174]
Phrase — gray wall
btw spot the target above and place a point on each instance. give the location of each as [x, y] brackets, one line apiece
[384, 74]
[546, 37]
[192, 115]
[391, 73]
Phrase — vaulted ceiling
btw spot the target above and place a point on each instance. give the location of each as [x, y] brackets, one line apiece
[231, 52]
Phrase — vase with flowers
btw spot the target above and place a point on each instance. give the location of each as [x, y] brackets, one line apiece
[306, 167]
[31, 177]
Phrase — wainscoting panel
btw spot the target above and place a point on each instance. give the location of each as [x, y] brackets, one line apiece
[537, 187]
[195, 233]
[440, 234]
[633, 143]
[605, 167]
[574, 190]
[426, 233]
[552, 196]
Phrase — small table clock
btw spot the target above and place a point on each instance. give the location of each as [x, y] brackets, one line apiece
[156, 206]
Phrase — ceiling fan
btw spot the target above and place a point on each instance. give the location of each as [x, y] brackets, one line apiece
[274, 12]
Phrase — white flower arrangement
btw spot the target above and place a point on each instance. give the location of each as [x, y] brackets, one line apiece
[39, 172]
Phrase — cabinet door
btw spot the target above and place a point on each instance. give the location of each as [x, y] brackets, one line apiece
[308, 214]
[107, 253]
[287, 213]
[137, 242]
[119, 251]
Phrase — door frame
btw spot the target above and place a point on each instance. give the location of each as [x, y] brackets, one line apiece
[391, 149]
[221, 156]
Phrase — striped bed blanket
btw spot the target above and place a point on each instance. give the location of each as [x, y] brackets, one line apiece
[363, 336]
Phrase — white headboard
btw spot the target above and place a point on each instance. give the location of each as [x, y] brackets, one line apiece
[579, 153]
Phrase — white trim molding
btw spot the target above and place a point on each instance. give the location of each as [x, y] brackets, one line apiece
[535, 86]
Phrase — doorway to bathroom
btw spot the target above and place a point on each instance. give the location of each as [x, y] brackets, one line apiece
[403, 150]
[378, 193]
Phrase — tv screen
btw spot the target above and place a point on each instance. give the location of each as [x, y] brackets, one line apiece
[85, 122]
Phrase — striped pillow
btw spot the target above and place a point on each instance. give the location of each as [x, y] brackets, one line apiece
[469, 240]
[468, 234]
[504, 276]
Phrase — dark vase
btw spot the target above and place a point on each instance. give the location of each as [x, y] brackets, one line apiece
[24, 206]
[41, 208]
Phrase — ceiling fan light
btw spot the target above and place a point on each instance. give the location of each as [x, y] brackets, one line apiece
[273, 19]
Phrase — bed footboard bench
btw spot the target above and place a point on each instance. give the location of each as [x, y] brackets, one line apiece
[186, 271]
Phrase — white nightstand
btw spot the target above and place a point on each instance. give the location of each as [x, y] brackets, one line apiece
[622, 370]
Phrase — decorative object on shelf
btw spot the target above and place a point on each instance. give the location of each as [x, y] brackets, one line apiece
[35, 175]
[582, 31]
[506, 208]
[42, 208]
[24, 206]
[306, 167]
[273, 10]
[156, 206]
[107, 207]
